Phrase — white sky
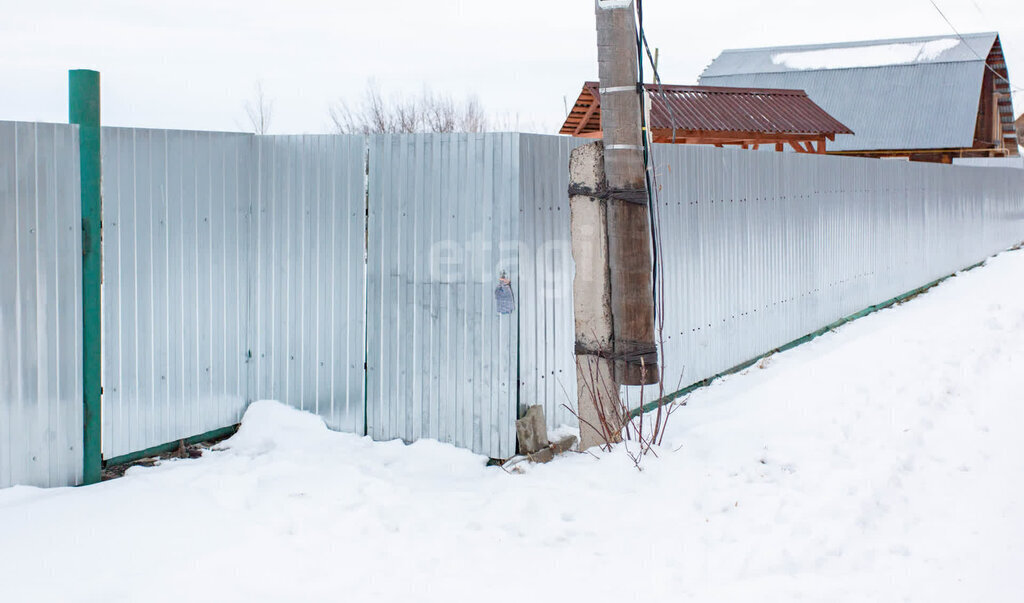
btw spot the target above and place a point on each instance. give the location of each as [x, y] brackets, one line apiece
[193, 63]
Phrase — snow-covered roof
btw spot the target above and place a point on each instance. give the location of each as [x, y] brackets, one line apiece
[852, 55]
[904, 93]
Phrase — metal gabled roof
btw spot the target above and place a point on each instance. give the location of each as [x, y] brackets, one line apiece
[931, 50]
[928, 102]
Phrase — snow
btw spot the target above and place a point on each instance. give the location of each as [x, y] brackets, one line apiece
[881, 462]
[865, 56]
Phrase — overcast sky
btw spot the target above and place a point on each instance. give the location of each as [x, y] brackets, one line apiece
[193, 63]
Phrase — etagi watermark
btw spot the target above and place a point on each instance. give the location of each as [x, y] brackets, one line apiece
[547, 266]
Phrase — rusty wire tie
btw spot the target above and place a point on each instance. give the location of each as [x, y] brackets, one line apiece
[629, 195]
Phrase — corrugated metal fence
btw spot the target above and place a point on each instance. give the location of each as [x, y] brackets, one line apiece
[234, 269]
[40, 305]
[1003, 162]
[175, 239]
[547, 369]
[307, 276]
[443, 227]
[760, 249]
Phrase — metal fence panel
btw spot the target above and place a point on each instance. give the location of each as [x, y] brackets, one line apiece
[443, 226]
[308, 276]
[175, 222]
[759, 249]
[547, 364]
[40, 305]
[1005, 162]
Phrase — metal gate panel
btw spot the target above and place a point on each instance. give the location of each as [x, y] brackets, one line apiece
[443, 226]
[547, 362]
[308, 276]
[175, 221]
[40, 305]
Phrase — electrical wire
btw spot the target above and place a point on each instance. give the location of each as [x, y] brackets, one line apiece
[654, 211]
[971, 48]
[650, 172]
[657, 80]
[644, 129]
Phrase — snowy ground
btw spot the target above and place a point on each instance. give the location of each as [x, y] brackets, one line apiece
[880, 463]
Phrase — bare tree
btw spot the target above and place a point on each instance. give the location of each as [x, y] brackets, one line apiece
[472, 116]
[429, 112]
[259, 110]
[513, 122]
[370, 116]
[439, 113]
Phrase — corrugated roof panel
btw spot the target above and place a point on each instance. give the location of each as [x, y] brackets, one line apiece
[715, 109]
[932, 105]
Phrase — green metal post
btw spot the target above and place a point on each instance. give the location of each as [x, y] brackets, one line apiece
[84, 110]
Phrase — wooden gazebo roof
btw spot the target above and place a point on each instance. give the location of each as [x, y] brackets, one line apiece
[748, 117]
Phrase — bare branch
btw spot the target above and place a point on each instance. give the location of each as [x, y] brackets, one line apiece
[259, 110]
[429, 112]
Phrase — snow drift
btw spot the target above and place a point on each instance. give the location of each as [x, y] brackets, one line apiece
[879, 463]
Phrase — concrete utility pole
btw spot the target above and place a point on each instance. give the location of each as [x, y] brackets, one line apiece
[613, 301]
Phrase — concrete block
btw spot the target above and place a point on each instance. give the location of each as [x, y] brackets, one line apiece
[532, 430]
[541, 456]
[549, 453]
[563, 445]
